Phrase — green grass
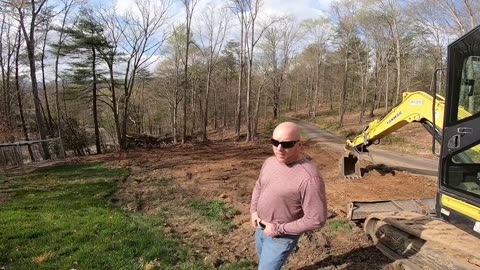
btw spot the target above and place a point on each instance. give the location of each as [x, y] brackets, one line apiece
[216, 213]
[339, 225]
[61, 218]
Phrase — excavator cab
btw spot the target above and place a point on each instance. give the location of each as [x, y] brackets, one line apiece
[413, 238]
[458, 200]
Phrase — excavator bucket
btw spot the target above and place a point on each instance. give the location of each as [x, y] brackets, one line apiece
[350, 167]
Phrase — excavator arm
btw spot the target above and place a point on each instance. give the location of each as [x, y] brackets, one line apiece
[414, 107]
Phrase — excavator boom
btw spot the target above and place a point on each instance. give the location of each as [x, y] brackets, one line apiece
[414, 107]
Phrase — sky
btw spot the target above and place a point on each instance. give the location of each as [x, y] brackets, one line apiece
[299, 9]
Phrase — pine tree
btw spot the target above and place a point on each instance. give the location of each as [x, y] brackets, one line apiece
[86, 40]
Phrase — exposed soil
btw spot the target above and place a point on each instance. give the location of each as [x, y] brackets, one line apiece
[162, 181]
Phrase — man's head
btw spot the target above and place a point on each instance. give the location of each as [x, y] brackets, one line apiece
[285, 142]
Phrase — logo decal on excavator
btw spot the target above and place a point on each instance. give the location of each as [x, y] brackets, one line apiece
[394, 117]
[416, 102]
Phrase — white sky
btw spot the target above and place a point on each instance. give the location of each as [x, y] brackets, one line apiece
[299, 9]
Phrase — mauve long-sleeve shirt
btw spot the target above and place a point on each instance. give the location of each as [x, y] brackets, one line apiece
[290, 196]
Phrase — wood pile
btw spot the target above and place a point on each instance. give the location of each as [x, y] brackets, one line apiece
[146, 141]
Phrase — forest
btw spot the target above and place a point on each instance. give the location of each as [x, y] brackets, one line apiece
[92, 74]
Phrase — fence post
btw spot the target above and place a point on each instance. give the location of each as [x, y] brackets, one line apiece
[18, 149]
[62, 149]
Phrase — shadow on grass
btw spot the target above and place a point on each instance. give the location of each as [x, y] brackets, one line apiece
[80, 170]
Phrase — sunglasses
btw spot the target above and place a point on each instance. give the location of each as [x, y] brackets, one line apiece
[288, 144]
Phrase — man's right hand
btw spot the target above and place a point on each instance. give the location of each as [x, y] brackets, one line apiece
[255, 220]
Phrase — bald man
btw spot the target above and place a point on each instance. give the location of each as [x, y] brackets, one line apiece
[288, 199]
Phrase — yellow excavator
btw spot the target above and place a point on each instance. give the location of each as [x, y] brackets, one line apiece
[414, 107]
[449, 236]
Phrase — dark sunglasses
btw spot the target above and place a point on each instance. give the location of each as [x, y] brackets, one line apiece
[288, 144]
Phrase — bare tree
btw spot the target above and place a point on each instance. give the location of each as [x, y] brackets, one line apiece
[278, 45]
[7, 50]
[169, 76]
[344, 14]
[142, 39]
[47, 18]
[189, 9]
[252, 37]
[19, 94]
[66, 8]
[377, 39]
[214, 27]
[318, 31]
[27, 17]
[393, 17]
[239, 8]
[256, 112]
[460, 16]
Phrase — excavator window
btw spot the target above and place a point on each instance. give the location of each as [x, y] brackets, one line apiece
[460, 157]
[469, 98]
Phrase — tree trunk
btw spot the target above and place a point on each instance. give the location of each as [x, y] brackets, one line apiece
[240, 83]
[215, 113]
[185, 76]
[317, 79]
[116, 117]
[2, 67]
[296, 96]
[44, 84]
[94, 105]
[276, 102]
[387, 79]
[19, 96]
[375, 88]
[225, 99]
[193, 108]
[57, 97]
[249, 90]
[30, 43]
[205, 112]
[343, 96]
[257, 108]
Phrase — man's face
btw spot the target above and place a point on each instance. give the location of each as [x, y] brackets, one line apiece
[284, 154]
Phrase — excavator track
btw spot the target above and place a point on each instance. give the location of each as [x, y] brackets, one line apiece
[417, 241]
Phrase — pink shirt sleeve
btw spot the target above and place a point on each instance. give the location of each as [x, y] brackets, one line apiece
[314, 205]
[256, 193]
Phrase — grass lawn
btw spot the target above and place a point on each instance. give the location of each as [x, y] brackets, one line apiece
[61, 218]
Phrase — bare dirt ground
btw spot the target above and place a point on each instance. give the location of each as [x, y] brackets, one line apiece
[162, 181]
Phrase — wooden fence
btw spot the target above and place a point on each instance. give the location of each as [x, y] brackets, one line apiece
[21, 153]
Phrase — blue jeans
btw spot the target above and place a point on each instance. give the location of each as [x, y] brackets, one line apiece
[273, 251]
